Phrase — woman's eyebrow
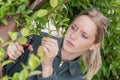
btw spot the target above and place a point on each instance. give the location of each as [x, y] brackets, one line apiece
[81, 30]
[75, 25]
[84, 32]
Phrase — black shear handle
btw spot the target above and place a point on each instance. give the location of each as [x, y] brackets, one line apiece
[29, 42]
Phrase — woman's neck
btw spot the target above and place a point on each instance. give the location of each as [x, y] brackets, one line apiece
[67, 56]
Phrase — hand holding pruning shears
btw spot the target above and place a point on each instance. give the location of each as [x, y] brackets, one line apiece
[15, 50]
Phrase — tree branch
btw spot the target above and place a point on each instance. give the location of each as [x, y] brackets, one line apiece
[37, 4]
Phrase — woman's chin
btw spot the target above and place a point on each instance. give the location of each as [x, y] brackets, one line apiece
[68, 48]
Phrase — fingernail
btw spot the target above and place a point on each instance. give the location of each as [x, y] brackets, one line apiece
[31, 49]
[43, 39]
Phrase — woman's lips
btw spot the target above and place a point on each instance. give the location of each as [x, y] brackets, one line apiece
[70, 43]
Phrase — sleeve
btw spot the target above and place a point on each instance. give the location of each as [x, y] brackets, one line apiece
[52, 77]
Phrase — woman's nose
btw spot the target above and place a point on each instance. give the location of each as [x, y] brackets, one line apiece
[75, 35]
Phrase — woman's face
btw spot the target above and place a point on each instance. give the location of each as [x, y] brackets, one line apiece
[80, 35]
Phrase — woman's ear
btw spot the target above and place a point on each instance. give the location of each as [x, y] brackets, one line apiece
[94, 46]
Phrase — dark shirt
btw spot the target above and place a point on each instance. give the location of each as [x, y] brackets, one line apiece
[68, 70]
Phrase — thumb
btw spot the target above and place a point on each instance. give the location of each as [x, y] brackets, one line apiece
[30, 48]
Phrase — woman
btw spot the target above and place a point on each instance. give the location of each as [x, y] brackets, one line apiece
[82, 38]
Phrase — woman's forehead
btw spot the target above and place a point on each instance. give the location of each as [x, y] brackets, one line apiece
[85, 24]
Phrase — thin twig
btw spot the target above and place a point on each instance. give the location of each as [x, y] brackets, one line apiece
[15, 20]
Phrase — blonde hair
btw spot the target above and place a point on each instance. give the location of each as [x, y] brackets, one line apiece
[92, 59]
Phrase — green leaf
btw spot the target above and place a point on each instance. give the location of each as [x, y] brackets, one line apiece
[22, 40]
[84, 6]
[4, 21]
[53, 3]
[32, 73]
[23, 74]
[2, 53]
[13, 35]
[42, 12]
[2, 3]
[43, 21]
[40, 52]
[21, 8]
[16, 76]
[28, 22]
[114, 71]
[25, 32]
[108, 49]
[2, 14]
[10, 33]
[34, 16]
[104, 70]
[65, 20]
[33, 62]
[1, 41]
[28, 11]
[6, 62]
[5, 78]
[111, 66]
[9, 1]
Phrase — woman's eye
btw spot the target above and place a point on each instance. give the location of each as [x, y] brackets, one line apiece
[73, 28]
[84, 36]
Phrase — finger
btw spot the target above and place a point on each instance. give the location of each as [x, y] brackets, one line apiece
[16, 50]
[30, 48]
[8, 51]
[51, 47]
[49, 43]
[51, 50]
[19, 47]
[49, 40]
[47, 47]
[46, 52]
[12, 54]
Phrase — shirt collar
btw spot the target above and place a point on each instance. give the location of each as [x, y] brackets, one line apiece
[74, 64]
[60, 42]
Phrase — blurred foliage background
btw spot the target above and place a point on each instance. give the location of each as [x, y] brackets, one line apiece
[31, 16]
